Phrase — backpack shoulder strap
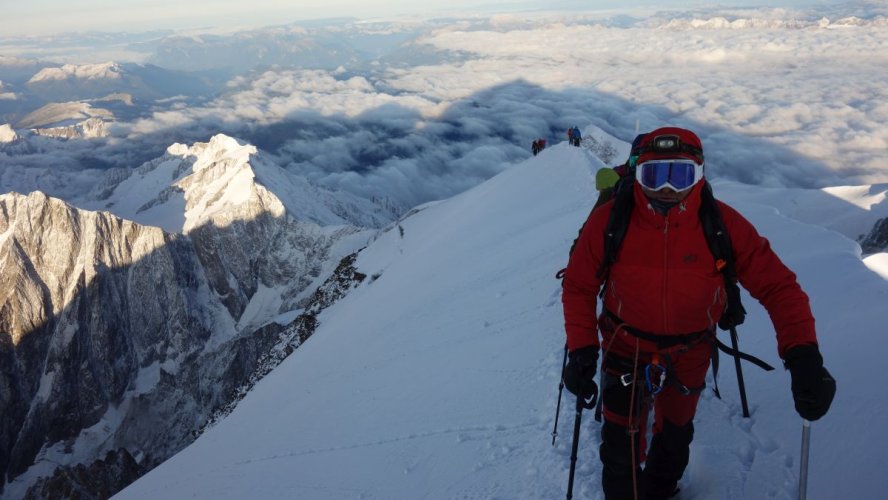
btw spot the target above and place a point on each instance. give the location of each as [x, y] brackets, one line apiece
[719, 242]
[617, 223]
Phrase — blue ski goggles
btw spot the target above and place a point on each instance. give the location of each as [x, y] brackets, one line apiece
[676, 174]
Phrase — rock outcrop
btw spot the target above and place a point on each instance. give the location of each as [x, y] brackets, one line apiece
[120, 335]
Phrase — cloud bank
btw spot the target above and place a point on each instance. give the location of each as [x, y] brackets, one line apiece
[776, 102]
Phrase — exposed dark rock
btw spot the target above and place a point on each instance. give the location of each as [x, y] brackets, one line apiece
[877, 239]
[104, 313]
[97, 481]
[344, 278]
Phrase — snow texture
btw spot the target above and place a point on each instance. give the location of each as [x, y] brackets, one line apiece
[437, 377]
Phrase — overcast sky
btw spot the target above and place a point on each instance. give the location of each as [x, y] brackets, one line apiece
[41, 17]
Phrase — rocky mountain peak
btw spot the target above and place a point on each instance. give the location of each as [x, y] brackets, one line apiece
[222, 181]
[108, 326]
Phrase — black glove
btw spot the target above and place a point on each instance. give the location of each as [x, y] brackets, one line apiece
[579, 374]
[813, 388]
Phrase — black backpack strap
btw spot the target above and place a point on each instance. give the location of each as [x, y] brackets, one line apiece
[617, 224]
[718, 345]
[719, 242]
[721, 346]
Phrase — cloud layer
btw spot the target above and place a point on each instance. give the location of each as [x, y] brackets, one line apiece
[776, 102]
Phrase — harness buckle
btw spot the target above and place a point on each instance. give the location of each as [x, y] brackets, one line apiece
[626, 379]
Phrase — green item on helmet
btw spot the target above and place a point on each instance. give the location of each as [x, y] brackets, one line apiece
[633, 160]
[606, 178]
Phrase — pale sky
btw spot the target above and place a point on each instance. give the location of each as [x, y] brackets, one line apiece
[42, 17]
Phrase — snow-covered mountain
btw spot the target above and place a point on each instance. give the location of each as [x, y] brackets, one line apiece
[19, 70]
[92, 81]
[191, 186]
[7, 134]
[36, 94]
[104, 71]
[62, 114]
[110, 327]
[437, 377]
[313, 45]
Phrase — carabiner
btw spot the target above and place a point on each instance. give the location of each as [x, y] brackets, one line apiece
[652, 387]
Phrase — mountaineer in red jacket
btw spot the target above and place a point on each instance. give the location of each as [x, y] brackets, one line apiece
[662, 299]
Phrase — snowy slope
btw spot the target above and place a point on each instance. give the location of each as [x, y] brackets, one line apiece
[438, 378]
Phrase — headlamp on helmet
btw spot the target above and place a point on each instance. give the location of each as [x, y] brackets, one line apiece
[666, 144]
[671, 144]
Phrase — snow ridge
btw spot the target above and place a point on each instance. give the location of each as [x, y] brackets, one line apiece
[439, 374]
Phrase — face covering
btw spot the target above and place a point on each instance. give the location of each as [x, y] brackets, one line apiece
[662, 206]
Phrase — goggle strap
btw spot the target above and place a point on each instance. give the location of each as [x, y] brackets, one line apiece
[681, 148]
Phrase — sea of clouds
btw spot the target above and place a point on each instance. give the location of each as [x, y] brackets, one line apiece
[779, 97]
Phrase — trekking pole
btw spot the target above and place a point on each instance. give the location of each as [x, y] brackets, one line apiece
[803, 472]
[740, 383]
[560, 390]
[575, 447]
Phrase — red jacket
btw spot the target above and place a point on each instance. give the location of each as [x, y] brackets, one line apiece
[664, 280]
